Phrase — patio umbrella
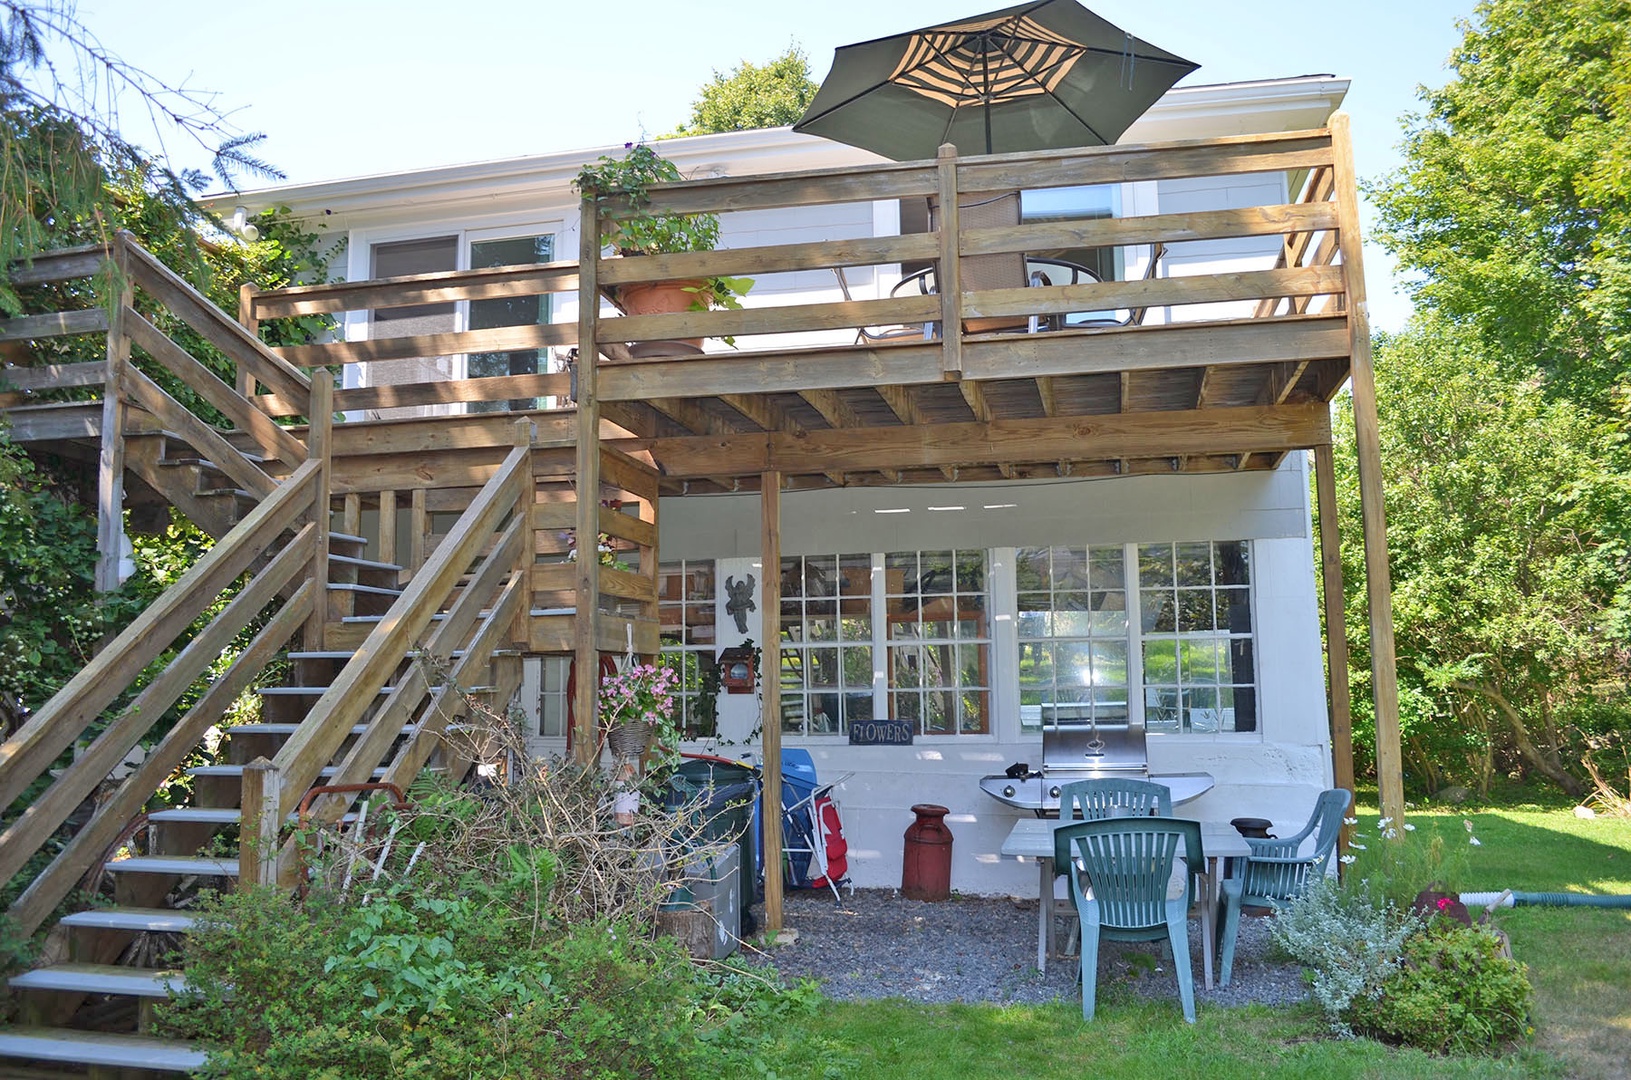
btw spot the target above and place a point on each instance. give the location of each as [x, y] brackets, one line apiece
[1041, 75]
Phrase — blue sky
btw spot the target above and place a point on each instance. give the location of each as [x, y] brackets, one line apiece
[357, 87]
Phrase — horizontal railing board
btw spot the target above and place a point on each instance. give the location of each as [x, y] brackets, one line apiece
[1155, 292]
[442, 392]
[441, 287]
[63, 264]
[781, 258]
[53, 377]
[769, 373]
[54, 324]
[1182, 160]
[866, 183]
[792, 318]
[500, 339]
[55, 421]
[1283, 219]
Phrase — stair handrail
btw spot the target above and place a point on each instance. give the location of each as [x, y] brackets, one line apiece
[35, 746]
[297, 765]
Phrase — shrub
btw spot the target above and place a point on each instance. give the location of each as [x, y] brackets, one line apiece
[1455, 990]
[1350, 946]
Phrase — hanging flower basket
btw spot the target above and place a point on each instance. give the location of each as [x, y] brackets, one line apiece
[629, 739]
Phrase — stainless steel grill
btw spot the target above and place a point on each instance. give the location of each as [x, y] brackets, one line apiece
[1078, 746]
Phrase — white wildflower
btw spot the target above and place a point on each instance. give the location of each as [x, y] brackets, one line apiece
[1474, 841]
[1346, 860]
[1359, 846]
[1468, 823]
[1409, 827]
[1350, 821]
[1383, 823]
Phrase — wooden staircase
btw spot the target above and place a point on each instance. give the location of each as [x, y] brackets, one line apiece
[380, 658]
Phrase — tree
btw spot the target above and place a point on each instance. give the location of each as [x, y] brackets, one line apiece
[1512, 583]
[753, 96]
[1514, 204]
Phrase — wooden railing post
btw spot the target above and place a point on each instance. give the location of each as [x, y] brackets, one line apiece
[259, 825]
[319, 448]
[586, 691]
[951, 269]
[110, 464]
[246, 318]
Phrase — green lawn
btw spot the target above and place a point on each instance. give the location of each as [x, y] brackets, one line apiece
[1579, 960]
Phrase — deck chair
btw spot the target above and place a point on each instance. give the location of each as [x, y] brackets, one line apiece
[1129, 893]
[1111, 797]
[865, 335]
[984, 210]
[1275, 872]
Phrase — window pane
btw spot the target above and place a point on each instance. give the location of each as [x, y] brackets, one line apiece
[1031, 569]
[1194, 564]
[1069, 569]
[1202, 661]
[1234, 611]
[855, 572]
[1107, 569]
[1160, 662]
[1155, 564]
[900, 572]
[792, 578]
[1158, 611]
[1233, 563]
[975, 717]
[936, 573]
[1194, 610]
[1201, 709]
[1109, 663]
[971, 571]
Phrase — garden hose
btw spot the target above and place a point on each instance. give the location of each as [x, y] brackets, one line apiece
[1510, 898]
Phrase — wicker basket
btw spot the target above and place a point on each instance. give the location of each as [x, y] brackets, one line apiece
[629, 739]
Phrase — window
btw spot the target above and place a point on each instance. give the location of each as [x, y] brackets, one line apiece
[685, 612]
[827, 643]
[1072, 634]
[552, 698]
[505, 311]
[1195, 617]
[939, 641]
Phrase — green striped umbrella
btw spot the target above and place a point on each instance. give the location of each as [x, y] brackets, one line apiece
[1037, 76]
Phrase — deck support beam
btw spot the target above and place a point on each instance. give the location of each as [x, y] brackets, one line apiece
[585, 657]
[770, 602]
[1367, 445]
[1336, 628]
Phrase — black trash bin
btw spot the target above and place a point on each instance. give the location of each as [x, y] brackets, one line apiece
[720, 795]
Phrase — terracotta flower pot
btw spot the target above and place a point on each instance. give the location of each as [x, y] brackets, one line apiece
[660, 298]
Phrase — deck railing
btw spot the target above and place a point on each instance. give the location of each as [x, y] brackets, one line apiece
[1291, 276]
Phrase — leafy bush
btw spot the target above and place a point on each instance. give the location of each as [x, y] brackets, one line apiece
[1454, 991]
[1350, 946]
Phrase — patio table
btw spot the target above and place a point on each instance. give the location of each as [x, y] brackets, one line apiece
[1033, 838]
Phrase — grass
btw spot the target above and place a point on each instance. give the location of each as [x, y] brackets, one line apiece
[1579, 960]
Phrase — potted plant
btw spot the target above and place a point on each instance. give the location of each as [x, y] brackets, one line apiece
[632, 230]
[637, 710]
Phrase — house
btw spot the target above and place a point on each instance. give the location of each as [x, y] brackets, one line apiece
[1082, 494]
[1054, 572]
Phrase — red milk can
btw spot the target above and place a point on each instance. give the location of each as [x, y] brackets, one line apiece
[925, 872]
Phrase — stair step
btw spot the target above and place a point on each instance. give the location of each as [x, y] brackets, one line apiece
[201, 865]
[238, 770]
[204, 462]
[365, 590]
[364, 564]
[102, 979]
[209, 815]
[153, 920]
[100, 1048]
[300, 691]
[290, 729]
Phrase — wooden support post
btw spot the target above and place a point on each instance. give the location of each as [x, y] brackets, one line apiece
[770, 604]
[246, 318]
[950, 277]
[1336, 629]
[387, 526]
[1367, 445]
[586, 690]
[259, 825]
[110, 464]
[320, 448]
[418, 531]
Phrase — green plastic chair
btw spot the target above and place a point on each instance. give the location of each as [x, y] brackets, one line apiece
[1275, 872]
[1106, 798]
[1128, 866]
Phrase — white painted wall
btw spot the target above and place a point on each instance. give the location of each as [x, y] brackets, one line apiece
[1274, 772]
